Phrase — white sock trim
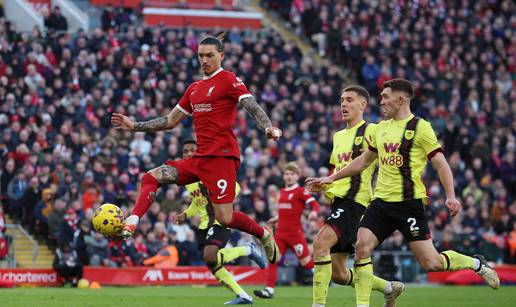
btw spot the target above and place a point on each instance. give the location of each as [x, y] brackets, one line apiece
[476, 264]
[271, 290]
[388, 288]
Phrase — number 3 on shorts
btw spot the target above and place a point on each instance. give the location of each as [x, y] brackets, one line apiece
[222, 185]
[337, 214]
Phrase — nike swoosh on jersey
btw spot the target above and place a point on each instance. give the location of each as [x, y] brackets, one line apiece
[221, 196]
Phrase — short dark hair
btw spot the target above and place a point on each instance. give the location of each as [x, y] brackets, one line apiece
[216, 41]
[401, 85]
[360, 90]
[190, 141]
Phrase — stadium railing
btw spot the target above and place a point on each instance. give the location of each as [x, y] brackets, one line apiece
[16, 231]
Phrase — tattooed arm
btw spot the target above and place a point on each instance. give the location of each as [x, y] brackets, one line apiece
[161, 123]
[261, 118]
[253, 108]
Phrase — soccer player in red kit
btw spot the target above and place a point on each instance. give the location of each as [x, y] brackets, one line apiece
[292, 201]
[212, 102]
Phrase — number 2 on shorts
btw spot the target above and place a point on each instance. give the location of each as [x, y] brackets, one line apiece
[412, 222]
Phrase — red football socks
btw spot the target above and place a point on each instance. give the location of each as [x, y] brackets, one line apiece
[244, 223]
[309, 265]
[149, 184]
[272, 275]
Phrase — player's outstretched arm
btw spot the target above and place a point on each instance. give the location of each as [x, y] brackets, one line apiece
[261, 118]
[445, 175]
[158, 124]
[354, 168]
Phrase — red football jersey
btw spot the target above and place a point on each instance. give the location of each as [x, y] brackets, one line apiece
[291, 203]
[213, 104]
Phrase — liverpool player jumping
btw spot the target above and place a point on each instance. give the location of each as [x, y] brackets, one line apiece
[291, 203]
[212, 102]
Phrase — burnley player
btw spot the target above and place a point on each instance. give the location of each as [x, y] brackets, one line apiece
[403, 144]
[292, 201]
[212, 102]
[349, 198]
[213, 237]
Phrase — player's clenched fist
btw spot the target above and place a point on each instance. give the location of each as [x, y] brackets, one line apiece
[453, 205]
[273, 133]
[122, 122]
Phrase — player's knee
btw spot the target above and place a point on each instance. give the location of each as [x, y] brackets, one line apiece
[362, 250]
[320, 250]
[339, 278]
[321, 247]
[431, 264]
[211, 260]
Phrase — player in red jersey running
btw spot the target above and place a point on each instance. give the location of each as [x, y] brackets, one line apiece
[212, 102]
[292, 201]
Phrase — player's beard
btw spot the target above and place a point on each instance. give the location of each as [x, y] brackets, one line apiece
[207, 70]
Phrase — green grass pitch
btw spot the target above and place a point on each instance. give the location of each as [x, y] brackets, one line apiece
[418, 296]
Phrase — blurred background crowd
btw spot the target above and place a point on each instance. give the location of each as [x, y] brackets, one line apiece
[60, 158]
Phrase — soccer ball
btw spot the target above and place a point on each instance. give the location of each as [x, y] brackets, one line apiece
[83, 283]
[108, 220]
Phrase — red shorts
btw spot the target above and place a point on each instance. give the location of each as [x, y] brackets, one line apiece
[218, 174]
[294, 241]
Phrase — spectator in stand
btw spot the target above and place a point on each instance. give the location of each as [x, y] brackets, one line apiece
[69, 225]
[55, 221]
[29, 200]
[153, 245]
[67, 264]
[108, 18]
[7, 173]
[118, 256]
[140, 246]
[15, 191]
[81, 237]
[55, 21]
[189, 253]
[171, 203]
[98, 250]
[2, 219]
[166, 258]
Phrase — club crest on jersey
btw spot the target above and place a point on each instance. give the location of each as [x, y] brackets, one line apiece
[210, 91]
[358, 140]
[409, 134]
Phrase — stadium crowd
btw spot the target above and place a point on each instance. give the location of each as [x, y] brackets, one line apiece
[60, 157]
[461, 57]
